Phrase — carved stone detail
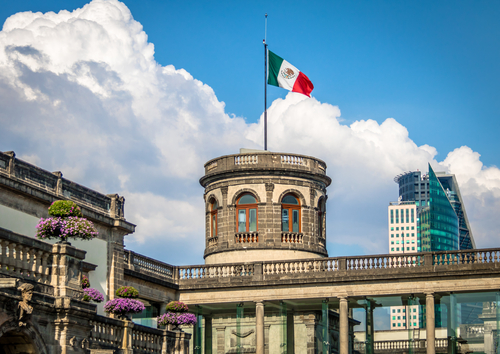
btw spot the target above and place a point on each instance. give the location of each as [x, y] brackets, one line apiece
[24, 308]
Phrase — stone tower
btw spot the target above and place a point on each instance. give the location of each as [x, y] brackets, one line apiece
[264, 206]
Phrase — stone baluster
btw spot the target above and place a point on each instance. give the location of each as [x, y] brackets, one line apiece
[17, 259]
[3, 256]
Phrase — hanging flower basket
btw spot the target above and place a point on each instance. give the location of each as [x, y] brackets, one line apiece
[64, 228]
[177, 319]
[91, 294]
[122, 307]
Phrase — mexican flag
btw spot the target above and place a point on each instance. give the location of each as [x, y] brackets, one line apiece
[285, 75]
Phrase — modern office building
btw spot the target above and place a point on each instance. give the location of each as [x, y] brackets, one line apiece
[417, 187]
[440, 222]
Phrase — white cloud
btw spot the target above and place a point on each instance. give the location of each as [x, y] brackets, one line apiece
[82, 93]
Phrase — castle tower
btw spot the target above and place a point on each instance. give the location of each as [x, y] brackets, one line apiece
[264, 206]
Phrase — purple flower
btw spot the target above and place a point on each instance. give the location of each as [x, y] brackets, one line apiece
[121, 306]
[173, 318]
[91, 294]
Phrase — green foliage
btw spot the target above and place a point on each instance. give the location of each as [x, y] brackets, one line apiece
[127, 292]
[177, 306]
[64, 208]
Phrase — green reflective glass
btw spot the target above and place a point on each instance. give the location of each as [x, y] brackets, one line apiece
[438, 221]
[252, 222]
[284, 220]
[295, 221]
[247, 199]
[290, 199]
[242, 220]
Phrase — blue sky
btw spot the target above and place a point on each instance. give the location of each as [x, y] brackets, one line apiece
[432, 66]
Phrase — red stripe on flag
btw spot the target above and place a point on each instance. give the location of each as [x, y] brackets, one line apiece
[303, 85]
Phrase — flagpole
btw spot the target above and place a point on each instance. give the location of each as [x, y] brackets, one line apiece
[265, 86]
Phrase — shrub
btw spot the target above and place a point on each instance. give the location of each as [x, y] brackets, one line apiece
[127, 292]
[122, 306]
[64, 208]
[91, 294]
[176, 306]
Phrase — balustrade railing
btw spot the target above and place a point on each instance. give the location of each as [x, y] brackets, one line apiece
[106, 331]
[215, 271]
[391, 345]
[292, 237]
[25, 257]
[246, 159]
[300, 266]
[292, 160]
[212, 241]
[246, 237]
[329, 266]
[109, 333]
[146, 339]
[148, 265]
[384, 261]
[467, 257]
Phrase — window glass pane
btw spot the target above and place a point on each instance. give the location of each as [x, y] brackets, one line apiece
[247, 199]
[252, 225]
[295, 224]
[284, 220]
[215, 205]
[290, 199]
[214, 225]
[242, 220]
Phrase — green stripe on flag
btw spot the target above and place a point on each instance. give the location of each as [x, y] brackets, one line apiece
[274, 68]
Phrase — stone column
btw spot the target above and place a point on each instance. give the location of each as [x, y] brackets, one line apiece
[259, 324]
[221, 342]
[343, 325]
[430, 320]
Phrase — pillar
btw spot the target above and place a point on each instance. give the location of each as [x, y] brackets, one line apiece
[369, 341]
[325, 324]
[430, 323]
[259, 324]
[452, 324]
[208, 335]
[343, 325]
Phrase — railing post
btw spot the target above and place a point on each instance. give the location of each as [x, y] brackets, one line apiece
[428, 260]
[342, 264]
[257, 269]
[127, 338]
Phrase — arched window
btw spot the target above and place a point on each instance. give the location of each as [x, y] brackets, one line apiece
[290, 214]
[246, 213]
[321, 217]
[213, 218]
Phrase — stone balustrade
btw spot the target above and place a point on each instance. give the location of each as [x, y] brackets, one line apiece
[341, 266]
[21, 175]
[292, 237]
[212, 241]
[128, 337]
[147, 339]
[397, 346]
[215, 271]
[246, 237]
[25, 257]
[265, 160]
[146, 265]
[106, 332]
[384, 261]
